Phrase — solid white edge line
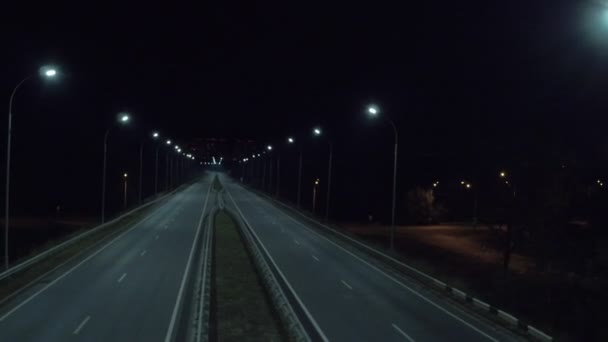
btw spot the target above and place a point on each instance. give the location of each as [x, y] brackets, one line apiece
[403, 333]
[81, 325]
[385, 274]
[346, 284]
[314, 257]
[121, 277]
[180, 293]
[101, 249]
[312, 320]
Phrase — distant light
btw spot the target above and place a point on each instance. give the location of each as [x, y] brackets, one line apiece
[179, 150]
[253, 156]
[290, 140]
[193, 158]
[468, 186]
[125, 175]
[269, 147]
[372, 110]
[503, 174]
[124, 117]
[317, 181]
[462, 182]
[155, 135]
[50, 73]
[176, 147]
[168, 142]
[316, 131]
[599, 181]
[258, 154]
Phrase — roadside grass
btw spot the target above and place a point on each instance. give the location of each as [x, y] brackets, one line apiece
[18, 281]
[241, 308]
[555, 302]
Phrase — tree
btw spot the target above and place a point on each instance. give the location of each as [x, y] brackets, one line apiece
[420, 205]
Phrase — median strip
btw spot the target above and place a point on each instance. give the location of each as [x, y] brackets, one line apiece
[241, 308]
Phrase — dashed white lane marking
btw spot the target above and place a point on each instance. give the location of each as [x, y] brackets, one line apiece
[122, 277]
[142, 253]
[166, 226]
[314, 257]
[296, 241]
[346, 284]
[81, 325]
[407, 337]
[156, 238]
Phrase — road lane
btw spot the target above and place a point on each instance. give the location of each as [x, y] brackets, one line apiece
[138, 307]
[373, 305]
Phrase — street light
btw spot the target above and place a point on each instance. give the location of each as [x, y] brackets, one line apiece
[123, 118]
[269, 147]
[45, 71]
[374, 111]
[291, 141]
[125, 192]
[317, 132]
[168, 142]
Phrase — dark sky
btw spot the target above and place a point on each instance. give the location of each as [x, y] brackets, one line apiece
[467, 82]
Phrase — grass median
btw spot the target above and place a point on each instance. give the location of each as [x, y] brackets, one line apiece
[241, 307]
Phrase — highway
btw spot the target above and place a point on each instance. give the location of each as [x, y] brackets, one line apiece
[345, 296]
[127, 290]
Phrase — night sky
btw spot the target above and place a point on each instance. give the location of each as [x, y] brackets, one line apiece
[473, 86]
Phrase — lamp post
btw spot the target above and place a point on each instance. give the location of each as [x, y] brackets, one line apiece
[469, 186]
[269, 148]
[317, 132]
[314, 195]
[125, 191]
[47, 72]
[155, 136]
[291, 140]
[168, 142]
[374, 112]
[123, 118]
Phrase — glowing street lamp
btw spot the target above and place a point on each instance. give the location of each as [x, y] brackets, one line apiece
[168, 142]
[374, 111]
[123, 119]
[290, 140]
[125, 191]
[317, 132]
[47, 72]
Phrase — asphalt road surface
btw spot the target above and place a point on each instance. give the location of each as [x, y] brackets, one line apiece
[348, 298]
[126, 291]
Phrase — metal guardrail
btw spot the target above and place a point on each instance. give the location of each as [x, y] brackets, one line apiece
[504, 316]
[41, 256]
[201, 324]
